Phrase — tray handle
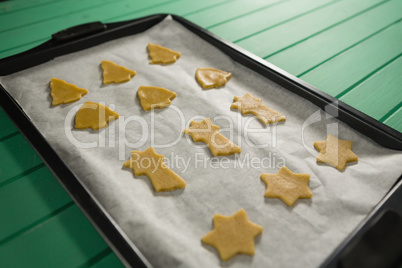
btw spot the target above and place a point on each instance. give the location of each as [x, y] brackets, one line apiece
[79, 31]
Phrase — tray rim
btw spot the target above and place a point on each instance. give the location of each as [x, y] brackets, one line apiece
[124, 248]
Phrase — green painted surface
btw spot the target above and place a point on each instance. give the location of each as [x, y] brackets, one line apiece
[108, 261]
[7, 128]
[218, 14]
[19, 19]
[380, 93]
[304, 56]
[280, 38]
[31, 199]
[341, 73]
[395, 120]
[65, 240]
[8, 7]
[263, 19]
[17, 158]
[348, 48]
[179, 7]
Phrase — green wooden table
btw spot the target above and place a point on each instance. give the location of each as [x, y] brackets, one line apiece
[350, 49]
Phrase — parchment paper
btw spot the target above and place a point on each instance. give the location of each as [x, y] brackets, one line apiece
[167, 227]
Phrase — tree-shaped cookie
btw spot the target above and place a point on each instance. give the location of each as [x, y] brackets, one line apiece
[94, 115]
[211, 78]
[113, 73]
[162, 55]
[150, 164]
[233, 235]
[155, 97]
[287, 185]
[206, 132]
[335, 152]
[63, 92]
[248, 104]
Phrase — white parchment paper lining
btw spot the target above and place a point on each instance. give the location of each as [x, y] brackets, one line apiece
[167, 227]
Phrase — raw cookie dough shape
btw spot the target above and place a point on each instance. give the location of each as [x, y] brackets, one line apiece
[335, 152]
[155, 97]
[287, 185]
[94, 115]
[233, 235]
[250, 104]
[150, 164]
[63, 92]
[211, 78]
[113, 73]
[206, 132]
[162, 55]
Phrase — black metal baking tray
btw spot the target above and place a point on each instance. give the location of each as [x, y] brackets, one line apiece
[375, 242]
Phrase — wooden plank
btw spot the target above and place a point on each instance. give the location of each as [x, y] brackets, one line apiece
[279, 38]
[17, 157]
[65, 240]
[31, 199]
[395, 120]
[181, 7]
[316, 50]
[228, 10]
[13, 6]
[7, 127]
[343, 72]
[44, 29]
[259, 21]
[380, 93]
[36, 14]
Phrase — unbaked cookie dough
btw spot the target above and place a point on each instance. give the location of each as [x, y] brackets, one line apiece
[287, 185]
[113, 73]
[162, 55]
[150, 164]
[250, 104]
[63, 92]
[94, 115]
[211, 78]
[155, 97]
[206, 132]
[233, 235]
[335, 152]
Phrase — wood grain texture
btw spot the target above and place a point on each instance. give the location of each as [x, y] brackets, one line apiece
[65, 240]
[31, 199]
[380, 93]
[341, 73]
[316, 50]
[280, 38]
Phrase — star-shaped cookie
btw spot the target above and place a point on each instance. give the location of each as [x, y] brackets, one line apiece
[335, 152]
[248, 104]
[151, 164]
[287, 185]
[233, 235]
[206, 132]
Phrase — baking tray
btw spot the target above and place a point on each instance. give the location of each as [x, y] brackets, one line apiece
[362, 245]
